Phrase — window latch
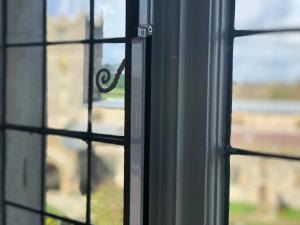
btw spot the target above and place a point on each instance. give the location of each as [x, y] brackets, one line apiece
[144, 31]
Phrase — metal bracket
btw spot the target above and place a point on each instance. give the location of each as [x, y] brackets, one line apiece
[144, 31]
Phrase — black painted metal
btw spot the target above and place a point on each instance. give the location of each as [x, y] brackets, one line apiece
[105, 138]
[242, 33]
[229, 79]
[44, 213]
[147, 129]
[132, 15]
[237, 151]
[90, 111]
[104, 77]
[85, 41]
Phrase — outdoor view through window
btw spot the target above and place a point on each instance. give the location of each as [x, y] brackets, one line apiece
[266, 114]
[64, 137]
[68, 72]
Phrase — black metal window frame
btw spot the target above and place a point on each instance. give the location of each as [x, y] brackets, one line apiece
[228, 149]
[89, 136]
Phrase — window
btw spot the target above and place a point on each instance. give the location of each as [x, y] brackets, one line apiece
[264, 137]
[70, 117]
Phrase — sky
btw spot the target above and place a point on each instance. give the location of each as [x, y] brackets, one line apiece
[262, 58]
[273, 57]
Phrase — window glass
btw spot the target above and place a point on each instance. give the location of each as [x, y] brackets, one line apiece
[23, 99]
[66, 72]
[109, 18]
[108, 108]
[24, 21]
[266, 97]
[66, 177]
[107, 184]
[16, 216]
[68, 20]
[267, 14]
[23, 180]
[266, 194]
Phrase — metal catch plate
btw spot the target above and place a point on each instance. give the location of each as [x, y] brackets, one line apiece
[144, 31]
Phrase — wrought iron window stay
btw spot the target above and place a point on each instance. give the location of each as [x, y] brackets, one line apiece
[104, 77]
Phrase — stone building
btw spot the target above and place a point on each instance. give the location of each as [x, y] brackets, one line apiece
[67, 109]
[272, 127]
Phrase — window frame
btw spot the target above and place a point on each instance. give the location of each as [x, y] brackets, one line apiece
[190, 62]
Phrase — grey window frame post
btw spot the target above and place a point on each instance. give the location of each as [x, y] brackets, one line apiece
[188, 170]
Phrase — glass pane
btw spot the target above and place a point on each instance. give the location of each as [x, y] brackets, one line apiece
[23, 168]
[66, 177]
[266, 194]
[266, 97]
[23, 99]
[109, 18]
[67, 20]
[108, 108]
[107, 184]
[24, 21]
[66, 71]
[16, 216]
[267, 14]
[52, 221]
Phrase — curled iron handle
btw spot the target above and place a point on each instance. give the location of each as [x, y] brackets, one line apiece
[103, 78]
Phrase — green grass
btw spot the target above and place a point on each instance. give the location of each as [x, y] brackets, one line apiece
[248, 214]
[241, 208]
[291, 214]
[51, 221]
[107, 205]
[115, 93]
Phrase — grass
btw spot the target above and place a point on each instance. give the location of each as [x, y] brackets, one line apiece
[117, 93]
[241, 208]
[107, 205]
[291, 214]
[248, 214]
[52, 221]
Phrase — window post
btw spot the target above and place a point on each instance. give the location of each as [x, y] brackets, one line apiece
[187, 165]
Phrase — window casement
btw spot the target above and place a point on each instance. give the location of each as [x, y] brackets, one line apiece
[74, 109]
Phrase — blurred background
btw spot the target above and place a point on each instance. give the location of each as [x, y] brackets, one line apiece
[67, 91]
[266, 114]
